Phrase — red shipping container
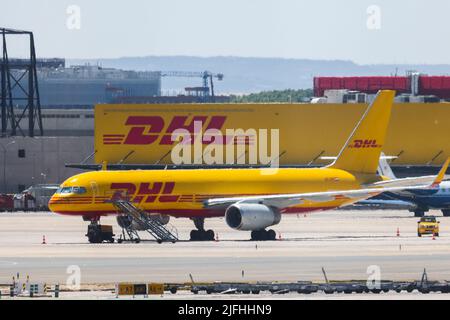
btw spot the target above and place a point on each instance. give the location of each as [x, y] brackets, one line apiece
[435, 85]
[363, 84]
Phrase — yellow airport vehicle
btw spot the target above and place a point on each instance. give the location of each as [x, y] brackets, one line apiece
[428, 225]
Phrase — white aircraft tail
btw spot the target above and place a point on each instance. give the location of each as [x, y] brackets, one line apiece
[384, 169]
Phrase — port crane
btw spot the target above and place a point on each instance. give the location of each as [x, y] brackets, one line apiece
[206, 92]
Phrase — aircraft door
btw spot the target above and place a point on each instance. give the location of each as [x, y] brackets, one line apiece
[95, 190]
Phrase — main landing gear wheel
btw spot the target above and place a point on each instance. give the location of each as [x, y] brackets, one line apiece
[419, 213]
[263, 235]
[201, 234]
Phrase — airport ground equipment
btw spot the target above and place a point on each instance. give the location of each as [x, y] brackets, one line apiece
[139, 220]
[423, 286]
[98, 233]
[428, 225]
[6, 202]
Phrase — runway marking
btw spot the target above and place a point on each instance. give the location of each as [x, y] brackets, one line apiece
[6, 262]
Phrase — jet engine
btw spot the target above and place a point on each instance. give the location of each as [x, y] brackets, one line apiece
[251, 216]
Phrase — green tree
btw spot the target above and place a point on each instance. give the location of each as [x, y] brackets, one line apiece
[288, 95]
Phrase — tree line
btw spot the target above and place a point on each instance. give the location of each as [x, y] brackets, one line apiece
[288, 95]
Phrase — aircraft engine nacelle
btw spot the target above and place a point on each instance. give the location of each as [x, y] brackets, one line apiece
[163, 218]
[127, 222]
[251, 216]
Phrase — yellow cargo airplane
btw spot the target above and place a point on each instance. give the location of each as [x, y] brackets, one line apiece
[249, 199]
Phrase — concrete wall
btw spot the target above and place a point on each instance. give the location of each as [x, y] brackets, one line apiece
[62, 122]
[44, 160]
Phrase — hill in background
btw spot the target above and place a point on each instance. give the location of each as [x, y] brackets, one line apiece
[247, 75]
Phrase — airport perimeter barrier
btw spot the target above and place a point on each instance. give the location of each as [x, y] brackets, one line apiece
[21, 289]
[132, 289]
[301, 287]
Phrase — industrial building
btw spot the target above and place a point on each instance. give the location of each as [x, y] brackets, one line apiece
[413, 84]
[84, 86]
[28, 161]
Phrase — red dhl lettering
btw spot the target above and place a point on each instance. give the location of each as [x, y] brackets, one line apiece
[145, 192]
[360, 143]
[145, 130]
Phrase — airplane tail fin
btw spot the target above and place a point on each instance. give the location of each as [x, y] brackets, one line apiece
[440, 176]
[361, 152]
[384, 169]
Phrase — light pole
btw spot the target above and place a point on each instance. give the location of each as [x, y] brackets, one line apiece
[4, 162]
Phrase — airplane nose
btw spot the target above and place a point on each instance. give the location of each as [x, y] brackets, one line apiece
[53, 205]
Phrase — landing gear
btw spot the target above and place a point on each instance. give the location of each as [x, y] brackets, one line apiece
[263, 235]
[446, 212]
[419, 213]
[201, 234]
[129, 234]
[98, 233]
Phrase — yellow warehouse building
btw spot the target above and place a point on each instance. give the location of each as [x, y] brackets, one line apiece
[419, 133]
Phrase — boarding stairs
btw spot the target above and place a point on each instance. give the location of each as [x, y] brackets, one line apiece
[161, 232]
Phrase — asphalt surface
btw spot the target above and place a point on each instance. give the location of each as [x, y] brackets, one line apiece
[345, 243]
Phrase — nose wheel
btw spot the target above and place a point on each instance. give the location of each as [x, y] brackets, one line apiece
[263, 235]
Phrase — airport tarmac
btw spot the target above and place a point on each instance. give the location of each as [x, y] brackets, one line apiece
[344, 242]
[186, 295]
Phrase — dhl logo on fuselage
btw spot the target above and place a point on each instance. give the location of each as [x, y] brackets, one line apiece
[145, 192]
[359, 143]
[146, 130]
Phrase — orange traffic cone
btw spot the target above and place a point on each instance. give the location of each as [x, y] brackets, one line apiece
[434, 237]
[43, 240]
[398, 232]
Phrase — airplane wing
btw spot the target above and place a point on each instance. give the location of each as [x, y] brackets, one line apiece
[405, 182]
[281, 201]
[388, 204]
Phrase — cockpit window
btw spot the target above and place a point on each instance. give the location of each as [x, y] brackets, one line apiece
[67, 190]
[79, 190]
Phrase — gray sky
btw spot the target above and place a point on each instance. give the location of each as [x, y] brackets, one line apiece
[411, 31]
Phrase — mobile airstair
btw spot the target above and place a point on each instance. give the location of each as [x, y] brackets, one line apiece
[154, 226]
